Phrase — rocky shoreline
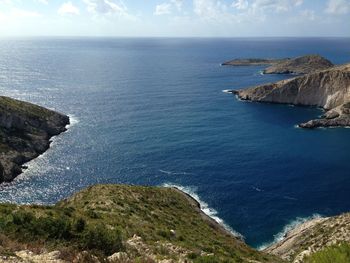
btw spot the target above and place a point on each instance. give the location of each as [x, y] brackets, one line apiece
[25, 132]
[328, 89]
[312, 236]
[211, 221]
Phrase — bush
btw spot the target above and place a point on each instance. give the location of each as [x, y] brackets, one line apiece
[80, 225]
[106, 240]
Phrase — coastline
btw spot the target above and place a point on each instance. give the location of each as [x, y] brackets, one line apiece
[27, 131]
[219, 226]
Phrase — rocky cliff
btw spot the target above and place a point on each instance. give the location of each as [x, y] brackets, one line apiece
[329, 89]
[25, 132]
[298, 65]
[312, 236]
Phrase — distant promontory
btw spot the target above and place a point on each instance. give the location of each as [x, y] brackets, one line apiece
[326, 88]
[25, 132]
[298, 65]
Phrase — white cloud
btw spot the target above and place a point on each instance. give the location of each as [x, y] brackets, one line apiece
[209, 8]
[106, 7]
[240, 4]
[338, 7]
[178, 4]
[298, 2]
[45, 2]
[163, 9]
[167, 7]
[276, 5]
[68, 9]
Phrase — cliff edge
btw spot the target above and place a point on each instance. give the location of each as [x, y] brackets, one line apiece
[25, 132]
[329, 89]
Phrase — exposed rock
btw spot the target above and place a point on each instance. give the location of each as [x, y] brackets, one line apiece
[329, 89]
[25, 132]
[299, 65]
[85, 256]
[27, 256]
[118, 257]
[312, 236]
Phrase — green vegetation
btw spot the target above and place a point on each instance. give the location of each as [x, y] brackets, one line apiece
[102, 218]
[24, 108]
[333, 254]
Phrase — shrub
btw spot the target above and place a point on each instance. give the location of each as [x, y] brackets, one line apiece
[106, 240]
[80, 225]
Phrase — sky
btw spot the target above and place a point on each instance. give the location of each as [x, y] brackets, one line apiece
[175, 18]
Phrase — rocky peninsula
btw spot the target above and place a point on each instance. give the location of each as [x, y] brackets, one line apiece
[328, 89]
[311, 237]
[25, 132]
[298, 65]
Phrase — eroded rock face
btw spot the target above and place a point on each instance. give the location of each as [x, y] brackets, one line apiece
[329, 89]
[25, 132]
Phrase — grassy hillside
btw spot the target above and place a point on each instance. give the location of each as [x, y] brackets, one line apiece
[334, 254]
[148, 223]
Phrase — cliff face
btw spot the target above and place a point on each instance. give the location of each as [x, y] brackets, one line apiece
[25, 132]
[329, 89]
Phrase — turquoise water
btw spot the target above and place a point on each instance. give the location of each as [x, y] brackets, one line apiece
[152, 112]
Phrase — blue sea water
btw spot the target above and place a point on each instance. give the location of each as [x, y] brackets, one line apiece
[152, 112]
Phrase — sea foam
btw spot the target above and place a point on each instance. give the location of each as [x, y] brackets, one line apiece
[211, 212]
[73, 120]
[287, 228]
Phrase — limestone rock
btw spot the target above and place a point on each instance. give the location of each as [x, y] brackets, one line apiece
[329, 89]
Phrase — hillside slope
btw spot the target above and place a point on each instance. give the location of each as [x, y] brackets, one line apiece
[143, 224]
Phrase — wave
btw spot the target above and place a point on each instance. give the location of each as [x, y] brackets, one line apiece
[174, 173]
[227, 91]
[287, 228]
[257, 188]
[211, 212]
[73, 120]
[290, 198]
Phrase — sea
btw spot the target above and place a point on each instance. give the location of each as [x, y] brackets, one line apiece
[153, 111]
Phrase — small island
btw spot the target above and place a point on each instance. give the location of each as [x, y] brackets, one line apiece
[25, 130]
[298, 65]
